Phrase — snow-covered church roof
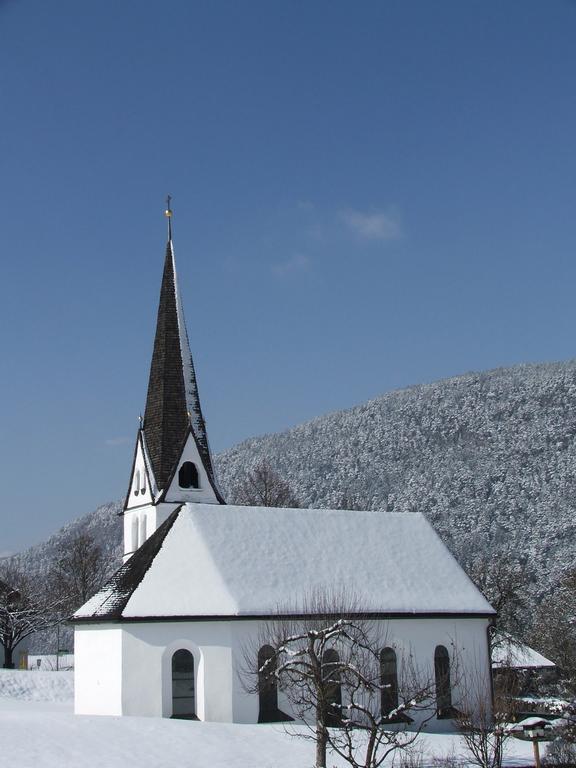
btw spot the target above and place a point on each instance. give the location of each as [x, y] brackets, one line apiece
[211, 561]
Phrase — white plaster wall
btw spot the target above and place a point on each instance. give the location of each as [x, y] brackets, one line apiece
[140, 492]
[220, 649]
[147, 656]
[467, 644]
[98, 670]
[415, 639]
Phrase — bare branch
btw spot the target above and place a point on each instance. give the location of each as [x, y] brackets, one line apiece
[329, 665]
[264, 487]
[26, 607]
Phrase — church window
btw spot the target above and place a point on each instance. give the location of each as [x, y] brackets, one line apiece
[134, 534]
[143, 483]
[142, 537]
[332, 687]
[137, 482]
[442, 679]
[183, 689]
[188, 475]
[267, 686]
[389, 683]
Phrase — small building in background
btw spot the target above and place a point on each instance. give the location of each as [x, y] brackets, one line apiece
[525, 675]
[508, 653]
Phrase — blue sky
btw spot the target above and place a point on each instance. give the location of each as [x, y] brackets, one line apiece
[367, 195]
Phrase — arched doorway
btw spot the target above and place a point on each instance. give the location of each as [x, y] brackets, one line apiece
[183, 691]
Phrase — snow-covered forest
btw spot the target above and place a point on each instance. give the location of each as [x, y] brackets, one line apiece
[489, 457]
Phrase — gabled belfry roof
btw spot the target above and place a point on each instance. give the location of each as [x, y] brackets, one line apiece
[173, 408]
[212, 562]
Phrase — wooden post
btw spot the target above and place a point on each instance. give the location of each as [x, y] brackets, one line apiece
[536, 753]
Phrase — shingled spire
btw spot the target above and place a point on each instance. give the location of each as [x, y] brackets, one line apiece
[173, 410]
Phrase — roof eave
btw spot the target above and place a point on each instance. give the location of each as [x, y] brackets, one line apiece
[367, 616]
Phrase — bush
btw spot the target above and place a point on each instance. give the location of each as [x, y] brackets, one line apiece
[560, 753]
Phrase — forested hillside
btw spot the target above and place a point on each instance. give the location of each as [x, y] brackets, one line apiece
[103, 524]
[489, 457]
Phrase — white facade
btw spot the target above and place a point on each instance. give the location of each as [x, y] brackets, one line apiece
[98, 673]
[210, 574]
[127, 669]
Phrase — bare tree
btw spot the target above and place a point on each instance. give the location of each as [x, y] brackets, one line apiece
[502, 581]
[482, 718]
[350, 500]
[26, 607]
[264, 487]
[372, 726]
[554, 630]
[330, 667]
[78, 570]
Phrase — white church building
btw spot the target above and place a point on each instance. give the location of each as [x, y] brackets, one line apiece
[167, 636]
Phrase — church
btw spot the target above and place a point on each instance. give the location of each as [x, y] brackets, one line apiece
[201, 579]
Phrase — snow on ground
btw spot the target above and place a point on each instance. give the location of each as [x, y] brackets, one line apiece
[37, 686]
[545, 703]
[36, 733]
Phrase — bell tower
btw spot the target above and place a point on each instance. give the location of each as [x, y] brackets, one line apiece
[172, 461]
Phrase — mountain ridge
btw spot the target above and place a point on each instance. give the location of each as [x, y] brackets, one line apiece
[489, 457]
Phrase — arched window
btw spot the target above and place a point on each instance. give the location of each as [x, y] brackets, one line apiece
[389, 683]
[332, 687]
[267, 686]
[183, 690]
[143, 482]
[442, 679]
[137, 482]
[188, 475]
[134, 534]
[142, 536]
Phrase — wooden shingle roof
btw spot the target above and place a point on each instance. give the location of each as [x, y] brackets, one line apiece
[172, 404]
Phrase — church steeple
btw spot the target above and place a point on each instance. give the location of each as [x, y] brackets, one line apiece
[172, 461]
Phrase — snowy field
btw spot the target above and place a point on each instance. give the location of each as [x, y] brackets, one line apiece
[39, 730]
